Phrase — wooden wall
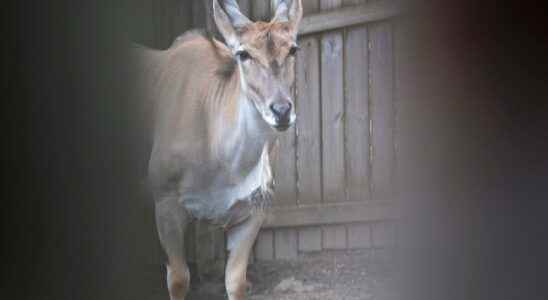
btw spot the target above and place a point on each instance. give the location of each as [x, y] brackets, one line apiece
[336, 174]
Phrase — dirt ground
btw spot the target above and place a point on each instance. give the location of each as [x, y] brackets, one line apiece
[336, 275]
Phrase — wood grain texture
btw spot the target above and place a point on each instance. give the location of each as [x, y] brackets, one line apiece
[308, 121]
[352, 2]
[347, 16]
[310, 239]
[334, 237]
[330, 4]
[310, 7]
[359, 236]
[333, 182]
[285, 175]
[404, 84]
[285, 242]
[357, 114]
[382, 110]
[264, 246]
[333, 213]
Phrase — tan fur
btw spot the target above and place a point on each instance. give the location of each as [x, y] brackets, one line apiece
[189, 93]
[178, 278]
[190, 89]
[236, 267]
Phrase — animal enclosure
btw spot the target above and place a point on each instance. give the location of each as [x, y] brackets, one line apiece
[336, 173]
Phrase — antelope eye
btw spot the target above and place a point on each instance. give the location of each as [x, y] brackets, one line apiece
[293, 50]
[243, 55]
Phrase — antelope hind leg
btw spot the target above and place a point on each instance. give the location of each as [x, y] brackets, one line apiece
[171, 221]
[240, 241]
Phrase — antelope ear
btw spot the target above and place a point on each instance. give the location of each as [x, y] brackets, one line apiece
[295, 14]
[228, 22]
[288, 11]
[233, 11]
[280, 9]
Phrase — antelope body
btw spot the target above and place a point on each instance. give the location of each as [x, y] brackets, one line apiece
[219, 108]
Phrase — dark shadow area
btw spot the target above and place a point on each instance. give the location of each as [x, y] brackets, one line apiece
[76, 221]
[476, 168]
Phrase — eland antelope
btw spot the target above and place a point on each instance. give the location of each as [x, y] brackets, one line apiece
[219, 108]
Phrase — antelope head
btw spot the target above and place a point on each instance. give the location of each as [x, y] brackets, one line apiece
[265, 55]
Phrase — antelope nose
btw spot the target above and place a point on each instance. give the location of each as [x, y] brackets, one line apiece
[281, 110]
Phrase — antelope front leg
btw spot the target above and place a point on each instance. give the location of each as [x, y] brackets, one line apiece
[240, 241]
[171, 220]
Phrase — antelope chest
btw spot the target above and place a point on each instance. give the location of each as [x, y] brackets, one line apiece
[232, 191]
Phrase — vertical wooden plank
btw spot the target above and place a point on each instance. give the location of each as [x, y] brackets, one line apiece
[264, 246]
[330, 4]
[310, 239]
[261, 10]
[308, 116]
[334, 237]
[285, 192]
[332, 96]
[382, 110]
[353, 2]
[285, 243]
[359, 236]
[310, 6]
[357, 114]
[403, 88]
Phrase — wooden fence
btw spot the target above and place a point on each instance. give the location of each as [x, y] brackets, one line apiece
[336, 174]
[335, 179]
